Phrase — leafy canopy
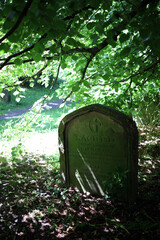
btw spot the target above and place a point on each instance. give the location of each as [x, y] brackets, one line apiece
[107, 51]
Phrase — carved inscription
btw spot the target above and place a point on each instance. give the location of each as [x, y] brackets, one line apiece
[95, 148]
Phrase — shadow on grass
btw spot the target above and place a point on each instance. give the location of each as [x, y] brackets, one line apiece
[34, 205]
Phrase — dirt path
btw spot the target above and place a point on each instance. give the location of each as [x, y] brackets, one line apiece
[51, 105]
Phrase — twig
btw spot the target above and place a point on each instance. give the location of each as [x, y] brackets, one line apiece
[71, 92]
[55, 81]
[146, 80]
[128, 86]
[27, 78]
[20, 53]
[89, 19]
[131, 100]
[87, 64]
[22, 15]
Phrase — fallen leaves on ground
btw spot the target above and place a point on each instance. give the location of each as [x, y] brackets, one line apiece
[35, 205]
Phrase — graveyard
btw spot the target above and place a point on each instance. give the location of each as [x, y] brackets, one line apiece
[53, 196]
[79, 120]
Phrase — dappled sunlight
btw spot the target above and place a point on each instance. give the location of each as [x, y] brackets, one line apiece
[33, 142]
[92, 184]
[42, 143]
[35, 205]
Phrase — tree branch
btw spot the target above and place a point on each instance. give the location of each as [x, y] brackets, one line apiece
[22, 15]
[71, 92]
[128, 86]
[131, 76]
[146, 80]
[77, 12]
[87, 64]
[35, 75]
[15, 55]
[20, 53]
[27, 78]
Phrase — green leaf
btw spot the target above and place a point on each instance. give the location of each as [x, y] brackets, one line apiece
[63, 65]
[95, 39]
[13, 38]
[31, 85]
[74, 57]
[39, 48]
[106, 76]
[125, 51]
[107, 4]
[111, 42]
[116, 87]
[36, 57]
[66, 48]
[123, 37]
[73, 42]
[9, 19]
[18, 62]
[87, 84]
[76, 87]
[86, 94]
[91, 25]
[52, 49]
[94, 3]
[4, 47]
[18, 99]
[59, 24]
[99, 28]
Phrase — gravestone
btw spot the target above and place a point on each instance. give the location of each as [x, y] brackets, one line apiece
[98, 149]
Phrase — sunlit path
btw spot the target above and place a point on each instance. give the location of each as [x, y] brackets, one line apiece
[42, 143]
[36, 143]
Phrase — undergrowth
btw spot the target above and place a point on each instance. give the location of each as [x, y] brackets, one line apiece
[34, 204]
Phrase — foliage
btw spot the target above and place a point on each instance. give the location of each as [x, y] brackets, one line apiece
[115, 183]
[27, 98]
[36, 120]
[108, 51]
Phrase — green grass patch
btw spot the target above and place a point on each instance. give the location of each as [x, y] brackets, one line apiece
[29, 97]
[45, 121]
[33, 123]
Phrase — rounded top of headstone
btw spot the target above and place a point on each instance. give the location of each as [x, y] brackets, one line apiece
[106, 110]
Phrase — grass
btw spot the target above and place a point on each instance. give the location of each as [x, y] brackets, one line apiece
[36, 129]
[30, 96]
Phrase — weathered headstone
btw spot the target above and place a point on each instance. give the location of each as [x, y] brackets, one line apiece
[99, 147]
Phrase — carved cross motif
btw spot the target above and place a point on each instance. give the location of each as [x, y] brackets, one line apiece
[95, 125]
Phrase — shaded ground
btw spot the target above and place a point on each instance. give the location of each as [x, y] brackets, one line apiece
[34, 204]
[16, 113]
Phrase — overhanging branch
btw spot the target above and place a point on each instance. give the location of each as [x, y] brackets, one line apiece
[22, 15]
[19, 53]
[27, 78]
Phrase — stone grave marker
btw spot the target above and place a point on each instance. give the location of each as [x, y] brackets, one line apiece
[98, 149]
